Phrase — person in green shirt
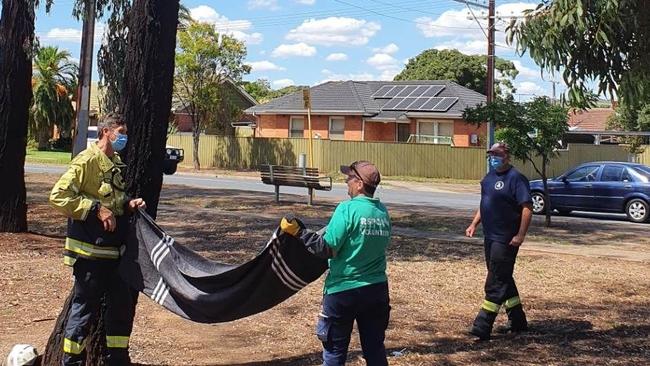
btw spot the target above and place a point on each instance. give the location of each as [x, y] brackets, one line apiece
[356, 287]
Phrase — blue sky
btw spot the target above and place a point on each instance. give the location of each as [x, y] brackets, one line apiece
[306, 42]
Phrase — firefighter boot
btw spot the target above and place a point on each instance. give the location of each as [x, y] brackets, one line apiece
[516, 320]
[482, 326]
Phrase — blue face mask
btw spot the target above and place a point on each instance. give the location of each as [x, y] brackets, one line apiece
[120, 142]
[496, 162]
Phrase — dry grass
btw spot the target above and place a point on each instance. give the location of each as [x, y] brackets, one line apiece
[583, 310]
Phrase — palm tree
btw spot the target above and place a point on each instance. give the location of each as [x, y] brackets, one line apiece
[54, 82]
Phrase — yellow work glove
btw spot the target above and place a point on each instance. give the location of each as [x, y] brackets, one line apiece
[291, 225]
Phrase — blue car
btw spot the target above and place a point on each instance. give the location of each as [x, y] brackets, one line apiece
[605, 186]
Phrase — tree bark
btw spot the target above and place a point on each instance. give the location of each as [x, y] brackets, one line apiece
[147, 104]
[547, 197]
[146, 108]
[196, 136]
[43, 138]
[16, 43]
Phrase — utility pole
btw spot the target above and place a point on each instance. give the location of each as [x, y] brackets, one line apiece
[490, 69]
[85, 78]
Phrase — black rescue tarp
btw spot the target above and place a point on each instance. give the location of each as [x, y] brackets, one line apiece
[210, 292]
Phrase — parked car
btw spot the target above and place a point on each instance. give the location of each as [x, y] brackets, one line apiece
[599, 187]
[173, 155]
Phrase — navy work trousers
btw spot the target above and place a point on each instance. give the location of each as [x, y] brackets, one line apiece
[95, 279]
[370, 307]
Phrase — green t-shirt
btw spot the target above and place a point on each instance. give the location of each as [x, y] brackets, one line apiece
[359, 232]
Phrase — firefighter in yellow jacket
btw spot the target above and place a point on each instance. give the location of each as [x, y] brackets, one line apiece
[91, 194]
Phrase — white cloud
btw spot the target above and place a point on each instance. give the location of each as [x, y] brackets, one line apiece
[333, 76]
[337, 57]
[306, 2]
[297, 49]
[390, 49]
[526, 72]
[281, 83]
[239, 29]
[334, 31]
[528, 87]
[382, 61]
[261, 66]
[71, 34]
[478, 47]
[387, 64]
[263, 4]
[460, 24]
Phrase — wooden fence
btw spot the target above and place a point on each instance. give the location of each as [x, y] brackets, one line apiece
[392, 159]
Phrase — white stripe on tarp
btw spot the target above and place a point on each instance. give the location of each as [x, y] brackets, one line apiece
[161, 257]
[155, 290]
[281, 270]
[159, 246]
[291, 274]
[277, 255]
[282, 278]
[161, 291]
[155, 254]
[163, 296]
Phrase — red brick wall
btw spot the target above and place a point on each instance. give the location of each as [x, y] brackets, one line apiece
[278, 126]
[271, 125]
[183, 122]
[462, 132]
[379, 131]
[353, 128]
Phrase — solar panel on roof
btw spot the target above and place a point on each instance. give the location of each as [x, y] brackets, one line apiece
[391, 104]
[382, 91]
[430, 104]
[407, 90]
[445, 104]
[419, 90]
[418, 103]
[394, 91]
[433, 91]
[403, 105]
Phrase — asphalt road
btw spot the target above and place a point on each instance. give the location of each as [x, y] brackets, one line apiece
[391, 195]
[339, 192]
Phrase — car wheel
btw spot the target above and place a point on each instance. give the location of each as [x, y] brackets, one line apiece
[637, 210]
[564, 212]
[539, 204]
[169, 169]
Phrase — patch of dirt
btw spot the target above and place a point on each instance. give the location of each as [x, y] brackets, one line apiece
[582, 310]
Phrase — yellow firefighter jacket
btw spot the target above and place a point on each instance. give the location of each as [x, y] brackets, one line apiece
[92, 177]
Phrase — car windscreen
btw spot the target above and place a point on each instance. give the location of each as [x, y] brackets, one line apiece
[641, 174]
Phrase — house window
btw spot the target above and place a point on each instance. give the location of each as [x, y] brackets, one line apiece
[435, 132]
[403, 132]
[297, 127]
[337, 128]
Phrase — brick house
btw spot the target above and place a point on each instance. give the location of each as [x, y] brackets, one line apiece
[387, 111]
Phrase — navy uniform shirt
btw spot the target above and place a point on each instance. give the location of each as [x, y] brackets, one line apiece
[502, 197]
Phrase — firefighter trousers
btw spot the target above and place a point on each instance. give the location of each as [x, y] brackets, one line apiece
[94, 280]
[500, 289]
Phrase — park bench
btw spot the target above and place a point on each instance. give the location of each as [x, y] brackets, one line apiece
[282, 175]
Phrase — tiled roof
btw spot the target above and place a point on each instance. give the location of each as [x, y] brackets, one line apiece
[590, 120]
[356, 97]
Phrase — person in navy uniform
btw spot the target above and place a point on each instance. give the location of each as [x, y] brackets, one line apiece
[505, 212]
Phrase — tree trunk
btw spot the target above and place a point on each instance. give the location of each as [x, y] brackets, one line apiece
[196, 135]
[16, 42]
[146, 107]
[43, 138]
[148, 95]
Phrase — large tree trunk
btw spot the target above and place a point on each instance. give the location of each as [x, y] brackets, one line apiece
[547, 196]
[16, 42]
[196, 135]
[43, 138]
[146, 106]
[148, 94]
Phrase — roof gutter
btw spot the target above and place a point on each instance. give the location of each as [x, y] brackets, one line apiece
[303, 111]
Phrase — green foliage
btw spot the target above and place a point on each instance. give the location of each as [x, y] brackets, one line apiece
[532, 129]
[603, 40]
[55, 81]
[629, 118]
[260, 89]
[205, 62]
[111, 58]
[468, 71]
